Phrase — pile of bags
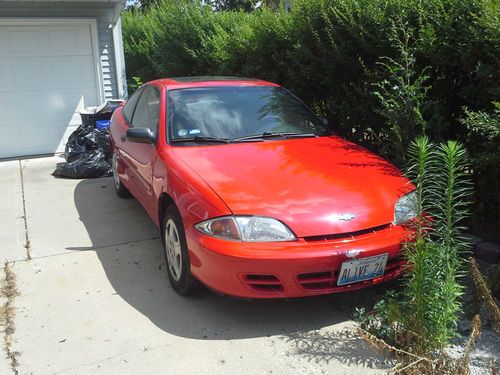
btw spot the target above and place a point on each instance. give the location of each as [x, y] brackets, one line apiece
[88, 154]
[88, 150]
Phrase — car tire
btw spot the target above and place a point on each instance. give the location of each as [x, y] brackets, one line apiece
[120, 189]
[176, 253]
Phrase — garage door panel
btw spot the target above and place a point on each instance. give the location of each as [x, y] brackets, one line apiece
[45, 81]
[9, 144]
[6, 76]
[8, 110]
[25, 41]
[39, 74]
[73, 71]
[23, 140]
[29, 74]
[30, 107]
[66, 40]
[53, 106]
[69, 101]
[45, 40]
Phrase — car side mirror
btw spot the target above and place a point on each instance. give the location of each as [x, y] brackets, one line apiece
[141, 135]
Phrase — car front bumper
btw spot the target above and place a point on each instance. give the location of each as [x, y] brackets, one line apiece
[290, 269]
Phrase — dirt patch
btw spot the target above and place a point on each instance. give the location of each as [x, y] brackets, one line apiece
[8, 291]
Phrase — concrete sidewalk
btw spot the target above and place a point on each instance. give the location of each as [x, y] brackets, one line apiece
[94, 296]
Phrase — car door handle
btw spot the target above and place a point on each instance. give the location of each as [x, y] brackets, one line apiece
[123, 138]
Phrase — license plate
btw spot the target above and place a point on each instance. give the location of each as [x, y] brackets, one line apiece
[362, 269]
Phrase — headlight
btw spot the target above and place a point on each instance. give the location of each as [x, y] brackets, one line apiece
[246, 228]
[406, 208]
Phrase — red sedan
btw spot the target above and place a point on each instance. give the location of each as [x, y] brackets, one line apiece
[254, 195]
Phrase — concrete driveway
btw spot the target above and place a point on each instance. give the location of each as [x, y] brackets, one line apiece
[93, 296]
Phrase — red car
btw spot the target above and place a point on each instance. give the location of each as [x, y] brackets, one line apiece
[254, 195]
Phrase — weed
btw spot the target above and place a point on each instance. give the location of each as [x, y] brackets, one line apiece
[7, 312]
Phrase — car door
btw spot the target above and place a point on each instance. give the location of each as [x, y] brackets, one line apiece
[118, 129]
[141, 156]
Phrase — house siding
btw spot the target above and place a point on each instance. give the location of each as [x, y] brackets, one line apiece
[103, 13]
[107, 58]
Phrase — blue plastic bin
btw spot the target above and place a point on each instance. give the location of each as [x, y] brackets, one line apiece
[102, 124]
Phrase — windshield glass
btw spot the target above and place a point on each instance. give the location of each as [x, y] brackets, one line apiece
[236, 111]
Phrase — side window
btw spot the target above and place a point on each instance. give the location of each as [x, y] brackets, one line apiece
[128, 109]
[147, 113]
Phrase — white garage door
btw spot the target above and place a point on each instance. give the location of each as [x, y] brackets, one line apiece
[47, 74]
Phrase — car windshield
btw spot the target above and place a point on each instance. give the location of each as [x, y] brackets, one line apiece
[239, 113]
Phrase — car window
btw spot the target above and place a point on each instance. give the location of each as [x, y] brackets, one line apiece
[128, 109]
[235, 111]
[147, 112]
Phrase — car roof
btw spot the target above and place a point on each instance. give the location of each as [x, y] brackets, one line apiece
[209, 81]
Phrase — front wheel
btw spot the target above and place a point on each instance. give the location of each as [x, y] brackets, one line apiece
[176, 253]
[120, 189]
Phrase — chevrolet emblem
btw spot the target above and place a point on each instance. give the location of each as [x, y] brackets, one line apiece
[346, 217]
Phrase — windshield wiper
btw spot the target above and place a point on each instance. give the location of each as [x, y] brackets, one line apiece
[267, 135]
[201, 139]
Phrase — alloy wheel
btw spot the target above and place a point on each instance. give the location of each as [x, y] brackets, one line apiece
[114, 166]
[173, 250]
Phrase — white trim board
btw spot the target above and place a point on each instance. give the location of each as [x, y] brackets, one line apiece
[119, 60]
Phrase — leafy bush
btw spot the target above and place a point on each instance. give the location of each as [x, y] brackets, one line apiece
[334, 54]
[423, 317]
[483, 139]
[402, 93]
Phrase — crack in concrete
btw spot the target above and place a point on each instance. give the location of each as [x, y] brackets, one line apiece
[27, 244]
[7, 313]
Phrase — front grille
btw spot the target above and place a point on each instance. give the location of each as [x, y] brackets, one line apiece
[263, 283]
[337, 236]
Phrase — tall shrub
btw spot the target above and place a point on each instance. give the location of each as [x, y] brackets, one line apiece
[402, 94]
[423, 316]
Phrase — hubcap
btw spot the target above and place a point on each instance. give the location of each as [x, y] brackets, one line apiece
[173, 250]
[114, 166]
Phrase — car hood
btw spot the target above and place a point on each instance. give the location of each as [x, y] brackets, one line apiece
[317, 186]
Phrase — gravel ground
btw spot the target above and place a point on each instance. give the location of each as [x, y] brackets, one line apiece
[486, 353]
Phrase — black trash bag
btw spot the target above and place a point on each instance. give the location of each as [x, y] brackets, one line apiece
[102, 142]
[88, 154]
[78, 143]
[73, 151]
[92, 164]
[87, 138]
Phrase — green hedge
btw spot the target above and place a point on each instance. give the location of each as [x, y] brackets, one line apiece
[331, 54]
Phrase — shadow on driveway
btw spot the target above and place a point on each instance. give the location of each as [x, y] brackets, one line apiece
[136, 270]
[134, 265]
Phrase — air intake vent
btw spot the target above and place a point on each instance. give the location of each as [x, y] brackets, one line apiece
[264, 283]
